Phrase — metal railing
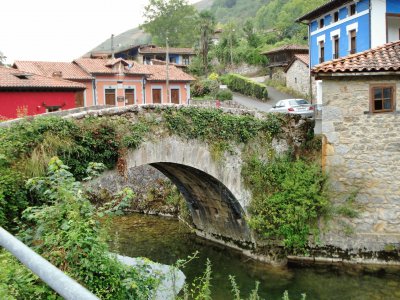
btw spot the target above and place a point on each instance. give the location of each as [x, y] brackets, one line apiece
[64, 285]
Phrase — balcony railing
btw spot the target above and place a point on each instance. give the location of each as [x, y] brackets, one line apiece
[64, 285]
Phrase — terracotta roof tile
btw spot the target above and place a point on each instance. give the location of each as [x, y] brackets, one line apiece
[159, 73]
[67, 70]
[161, 50]
[286, 48]
[104, 66]
[305, 58]
[15, 79]
[382, 58]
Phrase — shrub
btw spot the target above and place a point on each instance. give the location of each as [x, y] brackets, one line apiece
[224, 95]
[288, 198]
[243, 85]
[203, 87]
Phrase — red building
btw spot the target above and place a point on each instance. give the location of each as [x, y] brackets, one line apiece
[24, 93]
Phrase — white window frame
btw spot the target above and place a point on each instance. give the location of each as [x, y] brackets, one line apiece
[351, 27]
[320, 38]
[333, 34]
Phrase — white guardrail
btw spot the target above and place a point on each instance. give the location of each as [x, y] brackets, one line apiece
[64, 285]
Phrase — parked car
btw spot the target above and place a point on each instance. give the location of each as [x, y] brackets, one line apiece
[294, 106]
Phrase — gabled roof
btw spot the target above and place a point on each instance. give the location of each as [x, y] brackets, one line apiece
[161, 50]
[159, 73]
[299, 48]
[14, 79]
[380, 59]
[323, 9]
[304, 58]
[67, 70]
[104, 66]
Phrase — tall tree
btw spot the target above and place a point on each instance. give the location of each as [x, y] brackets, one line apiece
[206, 27]
[175, 19]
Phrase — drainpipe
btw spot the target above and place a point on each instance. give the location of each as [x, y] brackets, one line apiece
[94, 84]
[370, 25]
[144, 90]
[309, 63]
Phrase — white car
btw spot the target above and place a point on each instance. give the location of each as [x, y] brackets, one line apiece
[294, 106]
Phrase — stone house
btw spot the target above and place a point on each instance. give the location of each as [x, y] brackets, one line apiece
[361, 149]
[279, 59]
[298, 75]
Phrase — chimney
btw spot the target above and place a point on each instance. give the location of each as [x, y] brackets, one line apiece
[57, 74]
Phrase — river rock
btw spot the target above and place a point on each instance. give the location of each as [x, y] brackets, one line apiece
[171, 278]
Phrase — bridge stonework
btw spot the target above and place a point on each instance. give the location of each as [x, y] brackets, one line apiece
[214, 189]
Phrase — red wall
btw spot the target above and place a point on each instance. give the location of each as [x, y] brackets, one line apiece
[10, 101]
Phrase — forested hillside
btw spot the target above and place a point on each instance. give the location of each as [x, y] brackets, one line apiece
[272, 22]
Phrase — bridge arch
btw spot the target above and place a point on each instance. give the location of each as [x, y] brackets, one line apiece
[214, 191]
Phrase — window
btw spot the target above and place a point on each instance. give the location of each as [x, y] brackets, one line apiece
[382, 98]
[53, 108]
[321, 51]
[353, 42]
[321, 23]
[335, 47]
[172, 59]
[335, 16]
[352, 9]
[185, 59]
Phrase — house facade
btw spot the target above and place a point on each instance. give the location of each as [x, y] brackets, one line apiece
[342, 27]
[178, 56]
[361, 150]
[298, 75]
[23, 93]
[280, 58]
[120, 82]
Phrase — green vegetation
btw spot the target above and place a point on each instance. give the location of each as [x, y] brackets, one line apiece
[288, 199]
[52, 212]
[66, 232]
[172, 19]
[224, 95]
[245, 86]
[281, 86]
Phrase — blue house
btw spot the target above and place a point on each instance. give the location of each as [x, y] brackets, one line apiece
[342, 27]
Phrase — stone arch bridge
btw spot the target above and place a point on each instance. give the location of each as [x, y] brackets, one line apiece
[214, 190]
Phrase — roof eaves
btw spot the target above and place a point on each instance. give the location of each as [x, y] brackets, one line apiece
[322, 10]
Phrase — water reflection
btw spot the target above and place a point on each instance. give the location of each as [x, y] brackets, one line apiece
[166, 240]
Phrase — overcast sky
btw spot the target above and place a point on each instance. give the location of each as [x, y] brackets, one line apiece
[62, 30]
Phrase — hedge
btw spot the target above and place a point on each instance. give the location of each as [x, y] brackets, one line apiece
[243, 85]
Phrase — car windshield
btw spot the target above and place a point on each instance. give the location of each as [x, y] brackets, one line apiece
[298, 102]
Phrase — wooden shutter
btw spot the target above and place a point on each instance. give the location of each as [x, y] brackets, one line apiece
[79, 99]
[110, 96]
[129, 96]
[156, 95]
[175, 96]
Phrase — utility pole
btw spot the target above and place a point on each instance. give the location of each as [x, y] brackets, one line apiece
[233, 30]
[112, 46]
[167, 66]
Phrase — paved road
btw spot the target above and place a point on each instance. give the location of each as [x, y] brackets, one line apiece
[274, 96]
